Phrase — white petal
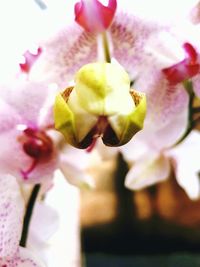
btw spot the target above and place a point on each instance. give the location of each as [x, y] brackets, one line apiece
[44, 223]
[187, 164]
[73, 166]
[147, 171]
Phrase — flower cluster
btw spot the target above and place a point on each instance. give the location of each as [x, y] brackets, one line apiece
[102, 81]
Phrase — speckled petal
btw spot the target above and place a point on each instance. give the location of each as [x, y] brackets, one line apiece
[11, 216]
[167, 110]
[129, 36]
[26, 99]
[23, 258]
[63, 55]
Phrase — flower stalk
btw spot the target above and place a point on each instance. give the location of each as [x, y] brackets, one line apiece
[106, 49]
[28, 214]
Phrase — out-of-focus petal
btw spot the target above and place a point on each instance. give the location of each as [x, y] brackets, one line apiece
[187, 164]
[27, 99]
[12, 156]
[184, 69]
[63, 55]
[135, 149]
[148, 170]
[14, 160]
[167, 112]
[195, 14]
[9, 117]
[26, 258]
[44, 223]
[93, 16]
[74, 163]
[11, 216]
[44, 170]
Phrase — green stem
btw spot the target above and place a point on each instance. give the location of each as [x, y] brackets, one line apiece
[28, 215]
[106, 47]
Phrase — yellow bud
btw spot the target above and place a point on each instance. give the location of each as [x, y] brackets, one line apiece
[101, 104]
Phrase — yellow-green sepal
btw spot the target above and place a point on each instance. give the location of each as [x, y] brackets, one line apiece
[126, 126]
[64, 120]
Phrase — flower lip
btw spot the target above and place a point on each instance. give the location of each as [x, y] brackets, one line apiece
[185, 69]
[93, 16]
[37, 145]
[29, 60]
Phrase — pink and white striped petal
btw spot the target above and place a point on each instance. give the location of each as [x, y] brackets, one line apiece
[72, 48]
[63, 55]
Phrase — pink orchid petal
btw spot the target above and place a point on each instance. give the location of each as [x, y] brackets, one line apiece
[94, 16]
[63, 55]
[27, 99]
[130, 36]
[185, 69]
[147, 171]
[12, 156]
[44, 171]
[195, 14]
[187, 164]
[25, 105]
[14, 160]
[9, 117]
[11, 216]
[167, 110]
[72, 48]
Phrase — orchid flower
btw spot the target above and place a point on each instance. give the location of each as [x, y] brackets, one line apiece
[27, 149]
[29, 142]
[11, 218]
[167, 130]
[130, 42]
